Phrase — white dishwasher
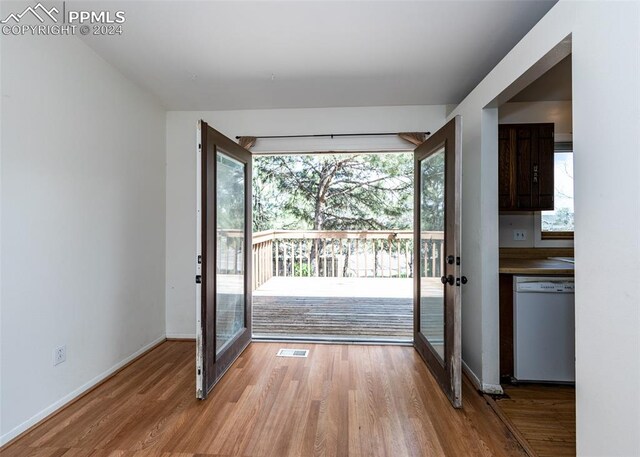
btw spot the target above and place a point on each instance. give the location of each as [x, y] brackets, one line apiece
[544, 329]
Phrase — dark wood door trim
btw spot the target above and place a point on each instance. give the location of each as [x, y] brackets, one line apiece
[449, 374]
[215, 365]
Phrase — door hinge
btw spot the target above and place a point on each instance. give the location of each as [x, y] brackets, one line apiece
[199, 259]
[198, 279]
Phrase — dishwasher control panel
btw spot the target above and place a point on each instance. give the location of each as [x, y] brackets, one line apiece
[544, 284]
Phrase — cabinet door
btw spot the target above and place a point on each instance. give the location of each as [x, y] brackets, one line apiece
[526, 144]
[543, 183]
[506, 167]
[525, 170]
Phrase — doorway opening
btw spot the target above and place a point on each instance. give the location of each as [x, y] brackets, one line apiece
[536, 263]
[373, 190]
[333, 247]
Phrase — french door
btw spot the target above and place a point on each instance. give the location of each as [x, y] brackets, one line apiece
[437, 279]
[223, 265]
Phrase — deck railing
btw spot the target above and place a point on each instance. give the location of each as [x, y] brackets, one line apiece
[347, 253]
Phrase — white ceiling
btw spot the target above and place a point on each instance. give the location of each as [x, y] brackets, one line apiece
[242, 55]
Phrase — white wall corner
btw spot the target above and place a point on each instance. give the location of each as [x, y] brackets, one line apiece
[107, 199]
[489, 249]
[605, 80]
[493, 389]
[64, 401]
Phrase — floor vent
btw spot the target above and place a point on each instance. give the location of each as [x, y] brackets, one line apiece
[293, 353]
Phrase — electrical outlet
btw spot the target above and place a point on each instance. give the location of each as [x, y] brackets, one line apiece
[59, 355]
[519, 235]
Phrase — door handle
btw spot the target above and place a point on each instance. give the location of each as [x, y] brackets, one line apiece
[448, 280]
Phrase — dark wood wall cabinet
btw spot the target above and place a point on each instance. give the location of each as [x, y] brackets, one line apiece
[525, 167]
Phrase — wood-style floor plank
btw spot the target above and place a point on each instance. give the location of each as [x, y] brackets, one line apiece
[343, 400]
[545, 416]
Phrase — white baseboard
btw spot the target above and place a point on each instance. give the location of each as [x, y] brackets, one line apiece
[493, 389]
[181, 336]
[51, 409]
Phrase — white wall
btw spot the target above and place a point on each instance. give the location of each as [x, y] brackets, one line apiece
[83, 194]
[1, 256]
[606, 115]
[181, 168]
[558, 112]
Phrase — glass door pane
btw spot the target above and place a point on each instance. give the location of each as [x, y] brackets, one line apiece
[223, 255]
[432, 226]
[230, 268]
[437, 228]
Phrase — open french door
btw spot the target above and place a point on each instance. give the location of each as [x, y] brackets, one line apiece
[223, 265]
[437, 279]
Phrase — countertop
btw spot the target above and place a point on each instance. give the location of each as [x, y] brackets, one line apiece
[535, 267]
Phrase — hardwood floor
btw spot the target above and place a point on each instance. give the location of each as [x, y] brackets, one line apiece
[544, 415]
[343, 400]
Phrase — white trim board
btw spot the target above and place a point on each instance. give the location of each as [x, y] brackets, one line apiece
[181, 336]
[493, 389]
[64, 401]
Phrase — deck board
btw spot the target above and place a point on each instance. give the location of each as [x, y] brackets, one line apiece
[359, 308]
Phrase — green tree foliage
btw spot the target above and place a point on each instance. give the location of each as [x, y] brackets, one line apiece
[230, 190]
[333, 192]
[432, 193]
[559, 220]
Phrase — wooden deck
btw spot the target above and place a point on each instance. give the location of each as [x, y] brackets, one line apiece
[337, 308]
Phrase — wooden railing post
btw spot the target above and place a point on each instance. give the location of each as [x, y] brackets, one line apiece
[331, 254]
[366, 256]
